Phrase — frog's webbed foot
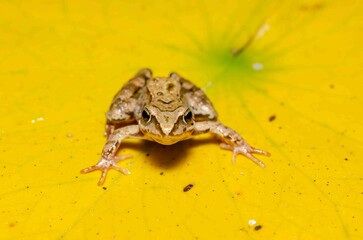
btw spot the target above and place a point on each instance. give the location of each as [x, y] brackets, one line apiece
[104, 165]
[245, 150]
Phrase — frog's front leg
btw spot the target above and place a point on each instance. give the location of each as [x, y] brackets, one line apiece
[109, 158]
[231, 140]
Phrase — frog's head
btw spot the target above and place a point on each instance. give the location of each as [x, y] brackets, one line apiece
[167, 127]
[165, 117]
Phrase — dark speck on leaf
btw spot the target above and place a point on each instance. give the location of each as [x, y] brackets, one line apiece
[258, 227]
[188, 187]
[312, 7]
[12, 224]
[272, 118]
[161, 173]
[104, 188]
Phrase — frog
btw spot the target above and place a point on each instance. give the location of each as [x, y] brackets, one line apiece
[165, 110]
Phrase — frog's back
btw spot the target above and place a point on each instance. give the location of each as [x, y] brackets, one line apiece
[126, 101]
[198, 101]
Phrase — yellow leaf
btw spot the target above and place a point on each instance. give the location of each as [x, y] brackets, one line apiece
[287, 75]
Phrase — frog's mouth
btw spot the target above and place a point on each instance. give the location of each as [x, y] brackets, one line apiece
[169, 139]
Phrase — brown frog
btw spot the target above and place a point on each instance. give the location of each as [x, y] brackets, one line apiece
[164, 110]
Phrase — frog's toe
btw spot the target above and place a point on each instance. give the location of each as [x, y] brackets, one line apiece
[122, 157]
[104, 165]
[247, 151]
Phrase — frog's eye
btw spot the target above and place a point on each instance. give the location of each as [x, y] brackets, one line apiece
[188, 116]
[146, 116]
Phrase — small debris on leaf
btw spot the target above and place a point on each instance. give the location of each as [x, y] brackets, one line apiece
[258, 227]
[188, 187]
[272, 118]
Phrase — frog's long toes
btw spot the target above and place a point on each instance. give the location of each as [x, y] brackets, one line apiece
[104, 165]
[245, 150]
[254, 159]
[89, 169]
[103, 177]
[259, 151]
[120, 169]
[234, 155]
[122, 157]
[226, 146]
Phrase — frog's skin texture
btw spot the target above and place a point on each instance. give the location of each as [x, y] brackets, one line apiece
[164, 110]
